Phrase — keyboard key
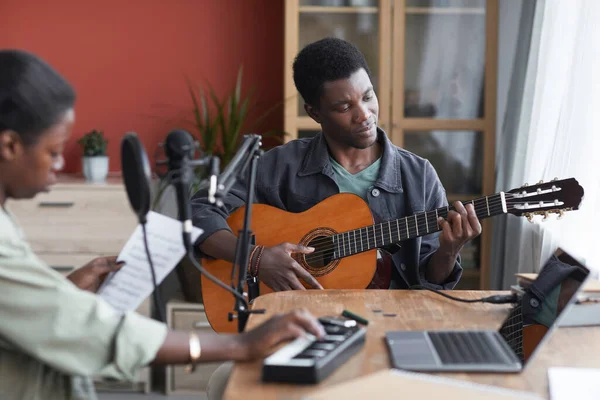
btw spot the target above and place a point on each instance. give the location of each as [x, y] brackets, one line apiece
[467, 347]
[332, 329]
[334, 338]
[313, 353]
[323, 346]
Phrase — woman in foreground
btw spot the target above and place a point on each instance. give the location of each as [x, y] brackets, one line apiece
[55, 333]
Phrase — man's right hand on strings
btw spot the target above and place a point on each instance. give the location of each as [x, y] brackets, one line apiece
[279, 271]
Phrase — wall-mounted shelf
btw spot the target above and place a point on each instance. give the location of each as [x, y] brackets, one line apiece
[445, 10]
[339, 10]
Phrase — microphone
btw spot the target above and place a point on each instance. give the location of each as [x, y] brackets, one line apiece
[136, 175]
[218, 186]
[180, 149]
[237, 166]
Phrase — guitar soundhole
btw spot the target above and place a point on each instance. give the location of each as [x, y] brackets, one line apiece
[323, 253]
[320, 262]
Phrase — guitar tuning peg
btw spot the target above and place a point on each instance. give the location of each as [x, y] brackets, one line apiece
[529, 217]
[555, 179]
[546, 215]
[561, 214]
[540, 182]
[525, 185]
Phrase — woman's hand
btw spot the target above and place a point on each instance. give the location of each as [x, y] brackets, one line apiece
[259, 342]
[90, 276]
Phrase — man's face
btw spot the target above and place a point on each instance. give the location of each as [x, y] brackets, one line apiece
[29, 170]
[348, 111]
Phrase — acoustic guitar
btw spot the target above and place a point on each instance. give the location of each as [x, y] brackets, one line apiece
[342, 230]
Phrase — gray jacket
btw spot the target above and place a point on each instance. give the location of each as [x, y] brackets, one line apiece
[297, 175]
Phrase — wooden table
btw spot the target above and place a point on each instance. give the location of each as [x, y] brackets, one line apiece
[578, 347]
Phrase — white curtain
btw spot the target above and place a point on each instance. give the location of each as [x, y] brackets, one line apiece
[558, 133]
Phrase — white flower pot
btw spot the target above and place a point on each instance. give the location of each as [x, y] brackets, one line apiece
[95, 169]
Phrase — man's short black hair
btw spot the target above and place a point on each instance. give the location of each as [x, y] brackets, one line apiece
[323, 61]
[33, 96]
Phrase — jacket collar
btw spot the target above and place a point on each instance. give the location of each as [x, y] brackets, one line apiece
[316, 161]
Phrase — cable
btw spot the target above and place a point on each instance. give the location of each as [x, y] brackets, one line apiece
[196, 264]
[496, 299]
[155, 293]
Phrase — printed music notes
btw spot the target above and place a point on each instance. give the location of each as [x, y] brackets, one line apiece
[126, 289]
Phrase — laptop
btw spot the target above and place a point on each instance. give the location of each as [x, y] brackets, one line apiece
[529, 324]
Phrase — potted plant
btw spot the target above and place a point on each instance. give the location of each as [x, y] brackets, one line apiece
[95, 160]
[220, 131]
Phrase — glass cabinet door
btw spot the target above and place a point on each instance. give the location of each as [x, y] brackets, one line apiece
[457, 157]
[356, 21]
[438, 105]
[444, 62]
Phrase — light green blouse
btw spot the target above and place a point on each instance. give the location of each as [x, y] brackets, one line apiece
[53, 336]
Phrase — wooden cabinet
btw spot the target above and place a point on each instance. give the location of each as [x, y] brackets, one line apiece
[74, 223]
[185, 316]
[433, 65]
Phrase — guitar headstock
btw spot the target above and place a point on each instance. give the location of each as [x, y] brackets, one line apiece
[554, 197]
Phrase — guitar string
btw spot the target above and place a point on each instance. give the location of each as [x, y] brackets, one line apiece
[423, 216]
[350, 246]
[478, 208]
[353, 244]
[379, 229]
[347, 244]
[496, 199]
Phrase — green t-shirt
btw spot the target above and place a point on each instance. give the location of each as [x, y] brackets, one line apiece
[358, 183]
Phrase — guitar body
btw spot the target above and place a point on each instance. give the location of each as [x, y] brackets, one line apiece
[272, 226]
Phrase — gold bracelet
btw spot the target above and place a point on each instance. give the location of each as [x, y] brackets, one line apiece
[195, 351]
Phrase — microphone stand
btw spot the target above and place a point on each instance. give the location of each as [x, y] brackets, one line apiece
[247, 156]
[245, 235]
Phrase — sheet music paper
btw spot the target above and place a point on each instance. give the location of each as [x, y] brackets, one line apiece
[127, 288]
[573, 383]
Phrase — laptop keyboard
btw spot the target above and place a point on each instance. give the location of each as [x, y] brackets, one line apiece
[466, 348]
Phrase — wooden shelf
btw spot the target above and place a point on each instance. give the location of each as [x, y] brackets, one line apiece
[427, 124]
[445, 10]
[338, 10]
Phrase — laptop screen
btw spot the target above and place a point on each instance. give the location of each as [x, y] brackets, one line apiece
[543, 301]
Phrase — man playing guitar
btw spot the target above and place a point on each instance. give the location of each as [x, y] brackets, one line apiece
[351, 154]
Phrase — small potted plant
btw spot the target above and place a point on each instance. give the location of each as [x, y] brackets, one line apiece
[95, 160]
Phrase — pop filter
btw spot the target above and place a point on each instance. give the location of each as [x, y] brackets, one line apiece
[136, 175]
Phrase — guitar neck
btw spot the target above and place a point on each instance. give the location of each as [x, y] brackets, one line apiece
[421, 224]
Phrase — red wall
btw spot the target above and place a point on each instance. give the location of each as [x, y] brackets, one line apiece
[127, 59]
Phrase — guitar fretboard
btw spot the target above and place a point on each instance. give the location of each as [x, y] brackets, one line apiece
[386, 233]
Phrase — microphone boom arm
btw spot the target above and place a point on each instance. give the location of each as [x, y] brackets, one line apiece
[238, 166]
[247, 156]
